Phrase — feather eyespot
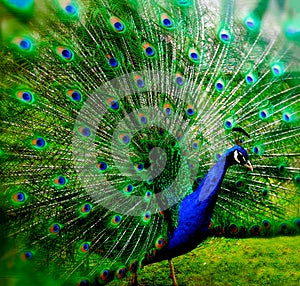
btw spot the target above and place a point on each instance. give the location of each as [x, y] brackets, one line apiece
[160, 243]
[288, 117]
[139, 166]
[195, 145]
[225, 36]
[113, 104]
[256, 149]
[233, 228]
[105, 275]
[125, 139]
[117, 24]
[85, 131]
[116, 219]
[168, 109]
[220, 85]
[74, 95]
[19, 197]
[255, 230]
[121, 273]
[219, 230]
[55, 228]
[179, 135]
[297, 222]
[102, 166]
[184, 2]
[65, 53]
[71, 9]
[166, 21]
[21, 5]
[142, 118]
[60, 181]
[251, 23]
[112, 61]
[190, 111]
[179, 79]
[85, 247]
[149, 50]
[27, 255]
[229, 123]
[266, 224]
[283, 228]
[128, 188]
[146, 217]
[83, 283]
[148, 195]
[133, 266]
[38, 142]
[25, 96]
[191, 166]
[277, 69]
[264, 114]
[24, 43]
[239, 184]
[149, 180]
[194, 55]
[139, 81]
[86, 208]
[281, 168]
[250, 79]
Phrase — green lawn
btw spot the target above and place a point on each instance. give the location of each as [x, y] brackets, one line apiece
[222, 261]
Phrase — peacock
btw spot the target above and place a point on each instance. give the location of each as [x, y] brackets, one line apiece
[132, 131]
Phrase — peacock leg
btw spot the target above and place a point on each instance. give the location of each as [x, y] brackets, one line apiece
[172, 273]
[134, 280]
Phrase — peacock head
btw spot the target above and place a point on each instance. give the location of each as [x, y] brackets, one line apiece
[238, 155]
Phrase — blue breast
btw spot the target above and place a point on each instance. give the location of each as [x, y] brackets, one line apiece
[196, 211]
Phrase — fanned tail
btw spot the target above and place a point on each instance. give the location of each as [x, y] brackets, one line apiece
[112, 112]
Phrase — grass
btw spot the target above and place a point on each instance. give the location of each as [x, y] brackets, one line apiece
[222, 261]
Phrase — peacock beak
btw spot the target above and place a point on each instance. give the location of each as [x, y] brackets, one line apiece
[248, 165]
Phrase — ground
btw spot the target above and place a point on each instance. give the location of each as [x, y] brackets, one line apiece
[234, 262]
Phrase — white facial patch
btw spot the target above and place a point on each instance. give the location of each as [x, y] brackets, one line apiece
[235, 155]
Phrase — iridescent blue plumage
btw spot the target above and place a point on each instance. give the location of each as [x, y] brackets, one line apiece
[196, 210]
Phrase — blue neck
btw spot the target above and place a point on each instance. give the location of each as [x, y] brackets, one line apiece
[196, 211]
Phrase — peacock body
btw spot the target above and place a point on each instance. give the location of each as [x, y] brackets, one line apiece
[118, 120]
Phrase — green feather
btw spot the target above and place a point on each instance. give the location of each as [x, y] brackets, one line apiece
[112, 112]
